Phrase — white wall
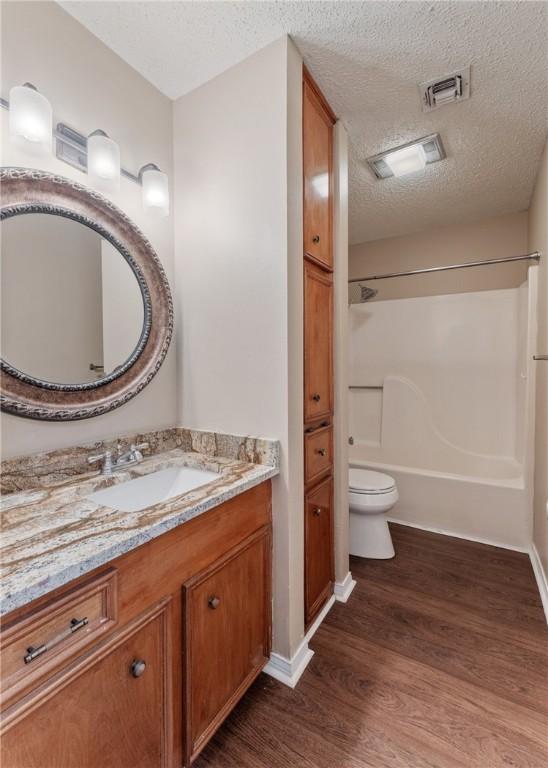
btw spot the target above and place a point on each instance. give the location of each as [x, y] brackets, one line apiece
[90, 87]
[460, 350]
[238, 258]
[538, 239]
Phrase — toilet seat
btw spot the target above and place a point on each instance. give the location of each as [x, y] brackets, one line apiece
[367, 482]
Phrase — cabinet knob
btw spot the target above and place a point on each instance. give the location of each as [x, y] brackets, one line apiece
[138, 668]
[317, 511]
[316, 239]
[321, 451]
[214, 602]
[316, 398]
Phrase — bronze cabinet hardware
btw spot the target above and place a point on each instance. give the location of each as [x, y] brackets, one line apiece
[316, 239]
[321, 451]
[317, 511]
[138, 668]
[33, 652]
[214, 602]
[316, 398]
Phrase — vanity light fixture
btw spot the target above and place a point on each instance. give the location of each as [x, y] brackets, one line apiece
[103, 161]
[407, 158]
[30, 118]
[155, 189]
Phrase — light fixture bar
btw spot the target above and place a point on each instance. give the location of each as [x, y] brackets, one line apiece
[71, 147]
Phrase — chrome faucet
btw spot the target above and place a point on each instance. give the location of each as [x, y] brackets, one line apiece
[127, 459]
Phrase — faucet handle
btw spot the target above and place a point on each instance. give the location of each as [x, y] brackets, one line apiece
[136, 450]
[106, 457]
[140, 446]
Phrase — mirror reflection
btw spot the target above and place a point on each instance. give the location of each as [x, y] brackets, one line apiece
[72, 309]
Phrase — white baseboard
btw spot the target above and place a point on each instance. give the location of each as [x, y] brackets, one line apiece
[344, 588]
[444, 532]
[540, 576]
[289, 671]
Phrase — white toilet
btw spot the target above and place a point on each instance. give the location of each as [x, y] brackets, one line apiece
[370, 495]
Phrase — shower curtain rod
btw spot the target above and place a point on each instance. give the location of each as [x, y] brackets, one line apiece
[535, 255]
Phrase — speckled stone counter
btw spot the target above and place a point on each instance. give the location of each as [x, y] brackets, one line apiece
[52, 535]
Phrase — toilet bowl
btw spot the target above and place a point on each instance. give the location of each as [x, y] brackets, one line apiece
[370, 495]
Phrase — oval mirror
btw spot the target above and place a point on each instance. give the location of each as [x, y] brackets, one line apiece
[86, 309]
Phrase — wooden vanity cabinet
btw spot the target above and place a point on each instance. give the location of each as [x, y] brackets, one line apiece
[318, 344]
[318, 121]
[227, 636]
[111, 709]
[318, 175]
[162, 662]
[318, 535]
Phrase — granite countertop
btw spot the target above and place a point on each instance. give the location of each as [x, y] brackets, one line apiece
[51, 536]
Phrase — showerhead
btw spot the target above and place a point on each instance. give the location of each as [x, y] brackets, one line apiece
[367, 293]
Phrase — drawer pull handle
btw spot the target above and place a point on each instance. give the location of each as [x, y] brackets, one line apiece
[316, 398]
[214, 602]
[321, 451]
[317, 511]
[138, 668]
[33, 652]
[316, 239]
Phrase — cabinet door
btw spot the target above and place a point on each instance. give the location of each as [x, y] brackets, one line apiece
[318, 544]
[108, 710]
[318, 355]
[227, 636]
[317, 163]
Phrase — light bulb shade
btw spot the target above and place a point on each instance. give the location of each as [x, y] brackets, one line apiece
[155, 191]
[31, 119]
[406, 160]
[103, 162]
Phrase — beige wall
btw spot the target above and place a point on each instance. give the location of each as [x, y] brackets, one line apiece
[488, 239]
[538, 240]
[238, 258]
[89, 87]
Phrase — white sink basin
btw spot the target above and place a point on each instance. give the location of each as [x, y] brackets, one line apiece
[155, 488]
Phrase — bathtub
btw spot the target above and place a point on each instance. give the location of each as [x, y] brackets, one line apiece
[488, 509]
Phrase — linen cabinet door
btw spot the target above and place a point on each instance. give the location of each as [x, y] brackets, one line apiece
[318, 355]
[318, 546]
[110, 709]
[317, 170]
[227, 610]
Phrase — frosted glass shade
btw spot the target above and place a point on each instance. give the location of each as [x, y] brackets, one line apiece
[103, 162]
[406, 160]
[155, 191]
[31, 119]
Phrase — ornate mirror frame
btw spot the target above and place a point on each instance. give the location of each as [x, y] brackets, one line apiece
[28, 191]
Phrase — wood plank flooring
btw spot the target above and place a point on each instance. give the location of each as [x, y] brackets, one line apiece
[438, 660]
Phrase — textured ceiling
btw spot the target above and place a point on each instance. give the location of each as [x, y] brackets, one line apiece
[368, 58]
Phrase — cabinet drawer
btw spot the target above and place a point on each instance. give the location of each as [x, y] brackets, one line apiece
[227, 611]
[318, 542]
[318, 453]
[37, 644]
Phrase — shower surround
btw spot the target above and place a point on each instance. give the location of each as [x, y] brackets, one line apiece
[452, 416]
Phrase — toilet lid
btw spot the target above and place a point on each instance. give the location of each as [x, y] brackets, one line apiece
[366, 481]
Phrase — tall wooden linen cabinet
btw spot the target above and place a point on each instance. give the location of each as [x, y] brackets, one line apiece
[318, 121]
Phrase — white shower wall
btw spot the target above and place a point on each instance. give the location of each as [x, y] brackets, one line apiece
[454, 420]
[462, 352]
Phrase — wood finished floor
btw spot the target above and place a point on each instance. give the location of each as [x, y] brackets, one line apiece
[438, 660]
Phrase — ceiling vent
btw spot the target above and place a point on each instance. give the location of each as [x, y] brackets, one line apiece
[445, 90]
